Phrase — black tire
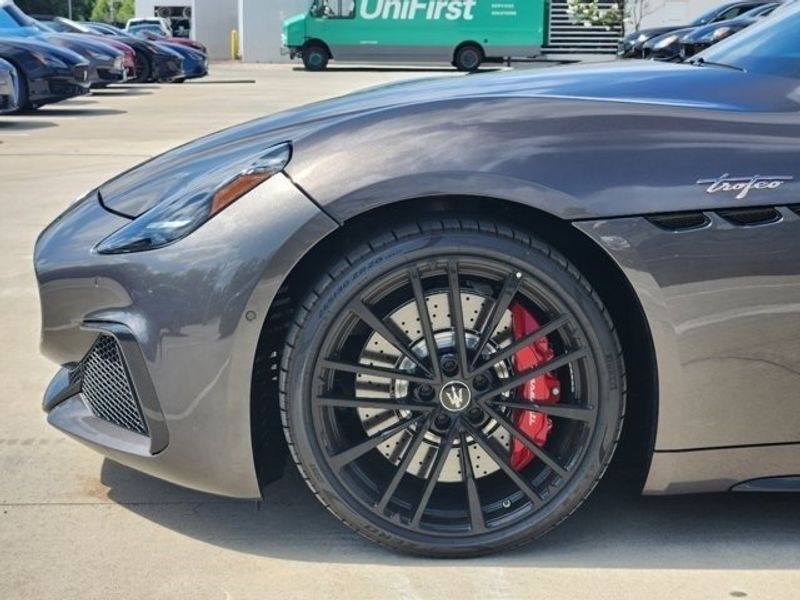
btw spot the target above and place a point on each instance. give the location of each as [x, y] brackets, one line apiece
[144, 69]
[315, 57]
[468, 58]
[373, 488]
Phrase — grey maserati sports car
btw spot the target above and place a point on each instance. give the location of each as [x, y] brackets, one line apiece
[446, 300]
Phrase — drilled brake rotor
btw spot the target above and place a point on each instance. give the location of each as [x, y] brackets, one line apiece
[380, 353]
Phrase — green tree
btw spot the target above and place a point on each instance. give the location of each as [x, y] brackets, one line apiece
[81, 9]
[113, 11]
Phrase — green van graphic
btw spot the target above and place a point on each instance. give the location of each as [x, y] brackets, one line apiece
[462, 32]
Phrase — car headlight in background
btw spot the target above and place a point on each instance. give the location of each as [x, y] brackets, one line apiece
[175, 219]
[49, 61]
[670, 39]
[721, 33]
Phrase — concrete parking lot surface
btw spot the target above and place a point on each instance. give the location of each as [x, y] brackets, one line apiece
[76, 526]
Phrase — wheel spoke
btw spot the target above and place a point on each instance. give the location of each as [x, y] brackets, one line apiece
[347, 456]
[540, 452]
[564, 411]
[425, 321]
[524, 486]
[518, 380]
[500, 306]
[523, 343]
[337, 365]
[433, 478]
[457, 317]
[384, 403]
[365, 313]
[475, 513]
[409, 455]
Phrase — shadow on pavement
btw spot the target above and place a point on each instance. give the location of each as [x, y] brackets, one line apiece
[13, 124]
[616, 528]
[75, 112]
[397, 69]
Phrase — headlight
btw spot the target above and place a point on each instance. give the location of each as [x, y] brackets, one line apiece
[721, 32]
[99, 56]
[49, 61]
[670, 39]
[172, 220]
[643, 37]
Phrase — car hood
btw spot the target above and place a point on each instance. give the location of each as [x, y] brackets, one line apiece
[82, 44]
[22, 43]
[700, 32]
[632, 38]
[184, 169]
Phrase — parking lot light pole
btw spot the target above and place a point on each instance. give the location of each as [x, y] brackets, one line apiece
[69, 9]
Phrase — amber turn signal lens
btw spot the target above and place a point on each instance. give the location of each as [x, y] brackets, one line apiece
[232, 191]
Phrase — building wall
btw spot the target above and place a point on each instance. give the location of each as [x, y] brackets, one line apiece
[260, 25]
[212, 21]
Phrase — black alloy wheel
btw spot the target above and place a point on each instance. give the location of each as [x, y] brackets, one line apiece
[402, 398]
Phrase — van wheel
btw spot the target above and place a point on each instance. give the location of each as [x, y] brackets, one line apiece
[468, 58]
[315, 57]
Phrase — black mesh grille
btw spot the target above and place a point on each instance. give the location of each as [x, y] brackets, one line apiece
[107, 389]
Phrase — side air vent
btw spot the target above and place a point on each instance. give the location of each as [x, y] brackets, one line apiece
[680, 221]
[751, 216]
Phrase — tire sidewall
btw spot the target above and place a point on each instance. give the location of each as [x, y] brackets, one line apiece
[315, 58]
[300, 365]
[465, 51]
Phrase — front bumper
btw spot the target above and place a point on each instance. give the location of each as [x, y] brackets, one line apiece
[59, 85]
[187, 319]
[9, 93]
[167, 68]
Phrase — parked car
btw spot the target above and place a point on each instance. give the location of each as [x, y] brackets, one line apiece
[162, 24]
[450, 295]
[704, 37]
[195, 64]
[632, 45]
[46, 73]
[9, 88]
[149, 33]
[153, 62]
[64, 25]
[105, 62]
[665, 47]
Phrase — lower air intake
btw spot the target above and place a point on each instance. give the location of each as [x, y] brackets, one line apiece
[107, 388]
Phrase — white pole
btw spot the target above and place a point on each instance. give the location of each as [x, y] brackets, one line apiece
[69, 8]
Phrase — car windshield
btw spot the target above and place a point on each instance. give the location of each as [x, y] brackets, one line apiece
[9, 18]
[146, 28]
[771, 46]
[706, 17]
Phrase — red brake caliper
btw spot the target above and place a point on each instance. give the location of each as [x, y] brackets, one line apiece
[542, 390]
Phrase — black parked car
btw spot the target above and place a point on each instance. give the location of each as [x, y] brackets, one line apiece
[632, 45]
[9, 87]
[47, 73]
[153, 62]
[704, 37]
[670, 46]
